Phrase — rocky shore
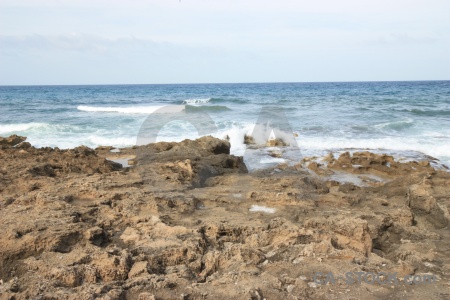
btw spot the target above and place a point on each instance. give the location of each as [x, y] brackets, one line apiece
[188, 221]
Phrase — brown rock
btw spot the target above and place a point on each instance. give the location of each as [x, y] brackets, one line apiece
[138, 269]
[11, 141]
[421, 202]
[249, 140]
[76, 227]
[146, 296]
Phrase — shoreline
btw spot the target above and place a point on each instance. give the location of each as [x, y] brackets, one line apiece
[283, 155]
[188, 220]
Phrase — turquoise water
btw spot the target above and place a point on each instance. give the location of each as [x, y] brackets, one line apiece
[407, 119]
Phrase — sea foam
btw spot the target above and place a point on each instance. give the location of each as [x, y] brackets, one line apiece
[198, 101]
[11, 128]
[134, 109]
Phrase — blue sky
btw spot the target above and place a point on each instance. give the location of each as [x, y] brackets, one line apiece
[196, 41]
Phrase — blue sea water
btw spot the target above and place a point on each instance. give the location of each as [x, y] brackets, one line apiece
[407, 119]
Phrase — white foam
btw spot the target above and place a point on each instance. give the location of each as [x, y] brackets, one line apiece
[389, 143]
[263, 132]
[258, 208]
[236, 135]
[272, 160]
[134, 109]
[120, 142]
[399, 123]
[197, 101]
[10, 128]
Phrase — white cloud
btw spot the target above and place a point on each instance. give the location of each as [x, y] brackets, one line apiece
[233, 40]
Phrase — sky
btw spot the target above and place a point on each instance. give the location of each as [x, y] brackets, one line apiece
[200, 41]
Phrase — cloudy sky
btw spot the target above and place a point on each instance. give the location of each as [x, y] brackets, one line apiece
[196, 41]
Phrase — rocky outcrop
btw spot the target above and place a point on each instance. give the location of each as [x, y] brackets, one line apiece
[423, 204]
[188, 221]
[11, 141]
[191, 162]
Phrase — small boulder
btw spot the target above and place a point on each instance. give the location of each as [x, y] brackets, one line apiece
[11, 141]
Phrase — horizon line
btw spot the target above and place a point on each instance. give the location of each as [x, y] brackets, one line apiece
[205, 83]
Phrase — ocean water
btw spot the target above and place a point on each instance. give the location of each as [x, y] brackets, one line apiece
[407, 119]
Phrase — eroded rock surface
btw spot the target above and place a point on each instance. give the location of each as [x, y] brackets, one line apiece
[178, 224]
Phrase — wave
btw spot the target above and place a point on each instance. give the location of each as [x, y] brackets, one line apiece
[396, 125]
[236, 133]
[210, 108]
[134, 109]
[228, 100]
[433, 148]
[97, 140]
[212, 100]
[431, 113]
[196, 101]
[10, 128]
[426, 112]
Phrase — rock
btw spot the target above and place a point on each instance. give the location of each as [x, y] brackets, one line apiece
[96, 235]
[14, 285]
[420, 199]
[113, 268]
[138, 269]
[146, 296]
[178, 223]
[276, 143]
[249, 140]
[424, 163]
[114, 294]
[11, 141]
[423, 204]
[402, 216]
[348, 187]
[275, 153]
[24, 145]
[255, 294]
[188, 162]
[404, 268]
[69, 277]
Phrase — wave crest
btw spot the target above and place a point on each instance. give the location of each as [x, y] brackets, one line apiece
[10, 128]
[132, 109]
[196, 101]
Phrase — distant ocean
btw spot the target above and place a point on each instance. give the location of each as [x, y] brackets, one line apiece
[406, 119]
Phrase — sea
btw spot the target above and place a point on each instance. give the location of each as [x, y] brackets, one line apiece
[410, 120]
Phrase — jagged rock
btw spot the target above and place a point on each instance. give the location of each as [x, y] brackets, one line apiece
[189, 161]
[11, 141]
[95, 235]
[140, 268]
[422, 203]
[248, 140]
[146, 296]
[276, 143]
[180, 224]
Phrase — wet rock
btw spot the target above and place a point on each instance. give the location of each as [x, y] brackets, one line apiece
[276, 143]
[248, 140]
